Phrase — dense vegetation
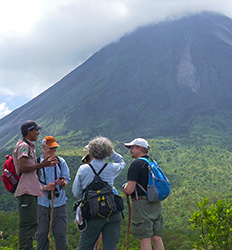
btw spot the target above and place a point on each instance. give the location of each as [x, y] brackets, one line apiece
[214, 222]
[195, 171]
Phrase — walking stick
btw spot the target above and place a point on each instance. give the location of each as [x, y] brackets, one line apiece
[51, 219]
[129, 222]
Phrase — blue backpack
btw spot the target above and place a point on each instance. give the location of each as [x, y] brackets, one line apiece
[158, 187]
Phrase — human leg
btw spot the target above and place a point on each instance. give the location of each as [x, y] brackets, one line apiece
[157, 233]
[27, 206]
[146, 218]
[146, 244]
[98, 243]
[158, 243]
[43, 227]
[90, 235]
[59, 227]
[110, 232]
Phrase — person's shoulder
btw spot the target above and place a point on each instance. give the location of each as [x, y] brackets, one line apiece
[61, 159]
[22, 144]
[136, 162]
[139, 161]
[84, 167]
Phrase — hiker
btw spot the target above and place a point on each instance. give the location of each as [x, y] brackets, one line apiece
[147, 217]
[28, 188]
[99, 149]
[87, 159]
[57, 179]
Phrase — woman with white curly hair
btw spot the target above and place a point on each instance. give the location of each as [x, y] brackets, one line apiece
[99, 149]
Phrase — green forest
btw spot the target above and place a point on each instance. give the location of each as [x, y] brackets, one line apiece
[197, 171]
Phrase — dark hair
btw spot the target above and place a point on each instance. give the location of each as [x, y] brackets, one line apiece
[145, 150]
[29, 125]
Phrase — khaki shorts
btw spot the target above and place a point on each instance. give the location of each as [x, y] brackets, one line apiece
[146, 219]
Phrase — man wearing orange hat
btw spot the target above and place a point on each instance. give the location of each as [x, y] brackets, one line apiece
[55, 179]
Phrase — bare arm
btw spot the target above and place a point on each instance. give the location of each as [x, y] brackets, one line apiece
[24, 167]
[129, 187]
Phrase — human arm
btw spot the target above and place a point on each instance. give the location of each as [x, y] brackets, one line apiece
[24, 167]
[129, 188]
[133, 176]
[77, 187]
[49, 187]
[119, 164]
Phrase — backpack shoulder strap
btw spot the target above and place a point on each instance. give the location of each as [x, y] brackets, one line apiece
[58, 166]
[93, 169]
[104, 166]
[38, 159]
[39, 173]
[141, 187]
[149, 161]
[59, 162]
[27, 142]
[97, 174]
[145, 159]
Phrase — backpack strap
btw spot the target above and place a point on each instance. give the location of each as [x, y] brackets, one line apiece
[100, 171]
[38, 171]
[27, 142]
[149, 161]
[59, 168]
[141, 187]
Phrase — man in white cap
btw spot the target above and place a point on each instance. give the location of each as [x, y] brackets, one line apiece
[57, 179]
[147, 217]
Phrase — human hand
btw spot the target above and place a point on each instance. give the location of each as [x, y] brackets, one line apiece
[61, 181]
[50, 161]
[124, 189]
[50, 186]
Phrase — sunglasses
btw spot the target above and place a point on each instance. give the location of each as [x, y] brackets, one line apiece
[52, 148]
[134, 146]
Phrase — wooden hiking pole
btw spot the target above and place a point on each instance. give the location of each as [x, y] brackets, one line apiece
[128, 223]
[51, 220]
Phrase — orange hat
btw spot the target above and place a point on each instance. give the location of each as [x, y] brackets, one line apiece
[50, 142]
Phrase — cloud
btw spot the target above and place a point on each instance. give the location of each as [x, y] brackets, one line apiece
[4, 110]
[42, 41]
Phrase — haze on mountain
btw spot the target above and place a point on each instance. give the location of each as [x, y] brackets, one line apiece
[167, 79]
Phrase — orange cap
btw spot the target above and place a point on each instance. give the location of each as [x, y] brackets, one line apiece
[50, 142]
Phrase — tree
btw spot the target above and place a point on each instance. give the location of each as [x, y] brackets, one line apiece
[214, 223]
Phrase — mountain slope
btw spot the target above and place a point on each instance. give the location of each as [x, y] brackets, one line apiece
[164, 79]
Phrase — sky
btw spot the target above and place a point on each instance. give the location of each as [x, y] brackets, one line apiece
[41, 41]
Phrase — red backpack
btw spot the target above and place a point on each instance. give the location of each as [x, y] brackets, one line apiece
[9, 177]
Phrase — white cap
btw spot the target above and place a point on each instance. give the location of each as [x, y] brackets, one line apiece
[138, 142]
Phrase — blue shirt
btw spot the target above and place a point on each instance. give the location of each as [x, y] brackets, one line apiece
[85, 174]
[62, 171]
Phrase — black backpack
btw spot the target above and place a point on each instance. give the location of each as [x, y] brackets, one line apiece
[99, 199]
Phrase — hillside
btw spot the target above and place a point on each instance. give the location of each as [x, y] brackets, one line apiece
[195, 172]
[171, 79]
